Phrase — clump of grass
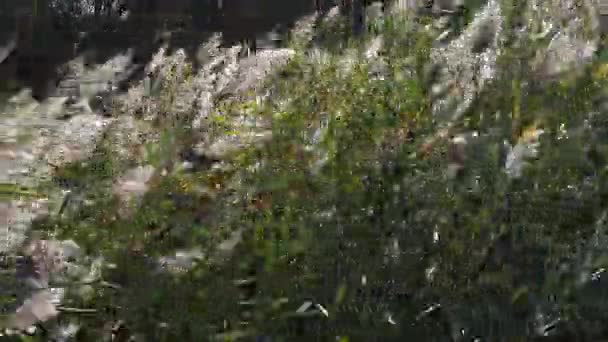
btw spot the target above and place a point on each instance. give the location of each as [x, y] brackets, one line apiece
[336, 182]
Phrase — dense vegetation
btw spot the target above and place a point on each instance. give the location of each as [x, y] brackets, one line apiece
[349, 207]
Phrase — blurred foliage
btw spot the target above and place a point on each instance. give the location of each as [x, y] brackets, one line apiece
[339, 209]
